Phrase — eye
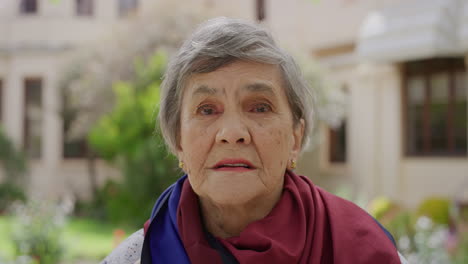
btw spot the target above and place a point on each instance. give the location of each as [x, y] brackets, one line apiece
[261, 108]
[206, 109]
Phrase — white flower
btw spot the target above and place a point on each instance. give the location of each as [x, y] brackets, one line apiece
[424, 223]
[404, 243]
[437, 238]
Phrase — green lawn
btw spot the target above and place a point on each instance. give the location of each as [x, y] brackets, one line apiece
[84, 239]
[6, 247]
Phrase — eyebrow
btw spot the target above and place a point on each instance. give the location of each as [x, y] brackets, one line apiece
[253, 87]
[203, 89]
[260, 87]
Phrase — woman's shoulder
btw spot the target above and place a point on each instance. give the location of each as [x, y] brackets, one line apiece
[128, 252]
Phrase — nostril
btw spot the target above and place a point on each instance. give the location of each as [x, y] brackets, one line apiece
[241, 140]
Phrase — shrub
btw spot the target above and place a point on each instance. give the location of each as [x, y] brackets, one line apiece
[382, 209]
[427, 243]
[126, 138]
[13, 164]
[438, 209]
[10, 193]
[37, 231]
[13, 161]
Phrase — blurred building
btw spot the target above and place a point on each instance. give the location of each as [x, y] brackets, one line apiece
[36, 37]
[402, 64]
[37, 40]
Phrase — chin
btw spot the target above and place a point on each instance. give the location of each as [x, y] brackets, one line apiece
[233, 194]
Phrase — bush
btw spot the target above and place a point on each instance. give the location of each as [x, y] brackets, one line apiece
[382, 208]
[126, 138]
[438, 209]
[423, 235]
[428, 243]
[461, 253]
[37, 231]
[13, 164]
[10, 193]
[13, 161]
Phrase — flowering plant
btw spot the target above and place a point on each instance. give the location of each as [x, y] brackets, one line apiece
[37, 231]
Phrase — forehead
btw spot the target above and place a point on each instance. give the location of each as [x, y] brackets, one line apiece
[239, 75]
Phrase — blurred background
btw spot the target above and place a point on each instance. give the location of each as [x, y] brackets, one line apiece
[81, 160]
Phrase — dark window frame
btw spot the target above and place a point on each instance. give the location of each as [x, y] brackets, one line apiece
[73, 149]
[76, 148]
[26, 128]
[260, 11]
[427, 69]
[337, 144]
[124, 9]
[28, 7]
[85, 8]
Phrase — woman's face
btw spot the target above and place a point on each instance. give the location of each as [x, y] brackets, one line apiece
[236, 132]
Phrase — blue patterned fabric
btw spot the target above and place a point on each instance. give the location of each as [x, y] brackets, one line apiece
[164, 241]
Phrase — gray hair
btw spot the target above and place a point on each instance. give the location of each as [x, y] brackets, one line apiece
[216, 43]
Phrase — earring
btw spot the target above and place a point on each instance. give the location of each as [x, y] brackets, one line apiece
[293, 164]
[181, 164]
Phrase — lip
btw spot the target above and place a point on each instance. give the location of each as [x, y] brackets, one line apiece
[233, 161]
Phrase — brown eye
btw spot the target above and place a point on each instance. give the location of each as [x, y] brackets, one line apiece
[206, 110]
[261, 108]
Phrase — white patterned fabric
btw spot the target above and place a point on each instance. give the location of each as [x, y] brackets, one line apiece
[128, 252]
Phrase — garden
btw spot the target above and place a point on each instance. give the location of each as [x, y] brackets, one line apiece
[34, 230]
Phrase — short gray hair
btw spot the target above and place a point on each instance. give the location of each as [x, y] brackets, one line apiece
[216, 43]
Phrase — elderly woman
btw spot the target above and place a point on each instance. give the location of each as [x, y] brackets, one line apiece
[236, 112]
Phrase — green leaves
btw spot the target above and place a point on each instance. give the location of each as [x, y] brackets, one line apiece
[11, 160]
[127, 138]
[133, 119]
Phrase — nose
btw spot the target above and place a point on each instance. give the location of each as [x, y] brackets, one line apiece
[233, 130]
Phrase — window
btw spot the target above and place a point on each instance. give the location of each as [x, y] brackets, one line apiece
[28, 6]
[84, 7]
[73, 147]
[435, 107]
[33, 117]
[337, 144]
[127, 7]
[260, 10]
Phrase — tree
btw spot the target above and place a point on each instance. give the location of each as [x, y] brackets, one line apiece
[126, 137]
[14, 167]
[89, 76]
[13, 161]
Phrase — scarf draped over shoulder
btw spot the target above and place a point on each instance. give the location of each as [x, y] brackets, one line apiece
[307, 225]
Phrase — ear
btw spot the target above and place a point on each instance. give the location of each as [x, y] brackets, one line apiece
[298, 134]
[178, 145]
[179, 152]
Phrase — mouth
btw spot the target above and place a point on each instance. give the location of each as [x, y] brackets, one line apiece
[233, 165]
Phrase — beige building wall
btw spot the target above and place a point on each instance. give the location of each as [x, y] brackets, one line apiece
[309, 25]
[376, 160]
[37, 45]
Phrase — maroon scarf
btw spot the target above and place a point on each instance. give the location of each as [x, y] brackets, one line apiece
[307, 225]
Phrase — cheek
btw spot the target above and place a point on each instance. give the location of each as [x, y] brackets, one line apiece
[274, 145]
[195, 143]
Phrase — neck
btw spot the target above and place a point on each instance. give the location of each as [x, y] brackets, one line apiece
[230, 220]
